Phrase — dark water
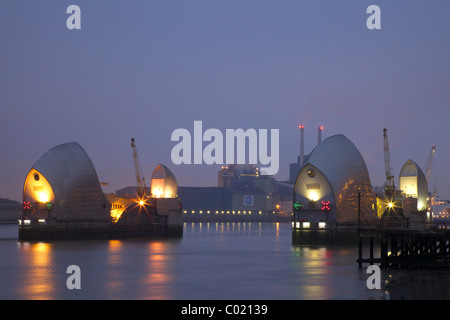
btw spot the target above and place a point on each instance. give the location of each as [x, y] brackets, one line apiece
[213, 261]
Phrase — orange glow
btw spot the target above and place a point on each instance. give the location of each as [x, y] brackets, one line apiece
[37, 188]
[115, 245]
[158, 276]
[161, 190]
[39, 278]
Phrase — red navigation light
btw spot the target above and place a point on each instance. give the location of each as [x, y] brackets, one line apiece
[326, 206]
[26, 205]
[301, 126]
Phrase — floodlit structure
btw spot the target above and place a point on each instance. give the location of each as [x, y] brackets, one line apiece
[63, 199]
[333, 183]
[164, 184]
[62, 190]
[413, 184]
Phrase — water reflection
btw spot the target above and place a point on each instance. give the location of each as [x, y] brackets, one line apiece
[159, 278]
[144, 265]
[36, 259]
[313, 263]
[115, 258]
[254, 228]
[212, 261]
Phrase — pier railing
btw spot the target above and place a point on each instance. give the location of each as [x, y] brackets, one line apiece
[405, 248]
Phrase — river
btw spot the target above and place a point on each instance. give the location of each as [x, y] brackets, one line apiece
[212, 261]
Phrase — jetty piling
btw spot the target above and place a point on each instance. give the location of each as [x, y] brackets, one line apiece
[406, 248]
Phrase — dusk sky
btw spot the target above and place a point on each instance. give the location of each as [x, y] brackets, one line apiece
[141, 69]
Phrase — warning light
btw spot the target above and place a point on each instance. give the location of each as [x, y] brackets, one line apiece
[326, 206]
[26, 205]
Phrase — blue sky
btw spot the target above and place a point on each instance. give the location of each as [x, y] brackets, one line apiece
[145, 68]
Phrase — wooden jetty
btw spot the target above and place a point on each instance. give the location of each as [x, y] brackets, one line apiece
[405, 248]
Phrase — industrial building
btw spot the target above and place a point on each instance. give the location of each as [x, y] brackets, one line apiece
[333, 187]
[63, 199]
[242, 194]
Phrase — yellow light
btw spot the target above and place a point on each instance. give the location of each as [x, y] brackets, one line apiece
[390, 204]
[313, 196]
[141, 202]
[37, 188]
[157, 192]
[42, 196]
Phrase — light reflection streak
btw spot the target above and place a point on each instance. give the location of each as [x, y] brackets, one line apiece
[315, 265]
[115, 260]
[38, 281]
[158, 280]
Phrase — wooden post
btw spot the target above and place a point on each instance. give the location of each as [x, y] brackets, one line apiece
[371, 250]
[360, 251]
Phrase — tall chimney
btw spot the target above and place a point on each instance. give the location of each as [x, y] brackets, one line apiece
[302, 143]
[319, 135]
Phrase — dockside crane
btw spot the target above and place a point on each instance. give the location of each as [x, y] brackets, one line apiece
[140, 180]
[429, 163]
[389, 187]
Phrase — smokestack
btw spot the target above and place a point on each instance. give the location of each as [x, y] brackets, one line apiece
[319, 135]
[302, 143]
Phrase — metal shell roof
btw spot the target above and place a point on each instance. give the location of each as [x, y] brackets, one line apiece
[162, 173]
[344, 168]
[411, 169]
[72, 176]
